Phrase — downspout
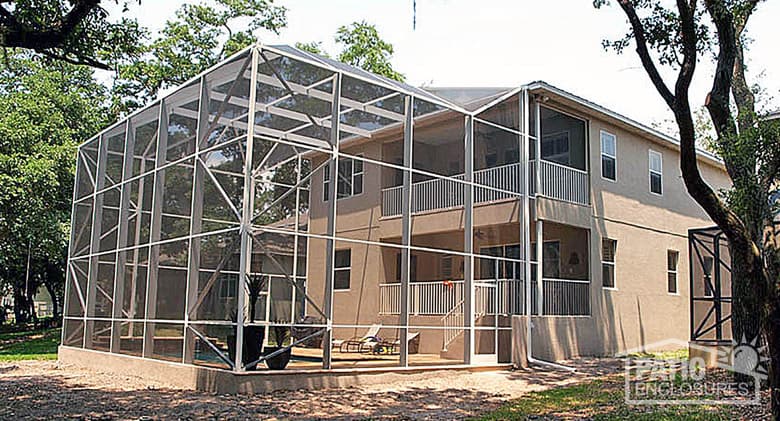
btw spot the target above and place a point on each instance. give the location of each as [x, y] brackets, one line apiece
[526, 228]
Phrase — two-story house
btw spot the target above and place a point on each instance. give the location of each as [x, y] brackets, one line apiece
[397, 226]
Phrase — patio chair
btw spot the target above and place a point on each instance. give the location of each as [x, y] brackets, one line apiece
[394, 346]
[363, 343]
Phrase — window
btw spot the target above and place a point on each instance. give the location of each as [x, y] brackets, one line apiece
[350, 179]
[446, 267]
[608, 248]
[228, 286]
[608, 156]
[671, 270]
[506, 269]
[341, 269]
[488, 267]
[656, 172]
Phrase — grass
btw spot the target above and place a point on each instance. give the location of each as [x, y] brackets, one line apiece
[679, 354]
[29, 345]
[600, 400]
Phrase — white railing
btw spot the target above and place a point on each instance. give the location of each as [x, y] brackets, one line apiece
[452, 322]
[503, 182]
[563, 182]
[425, 298]
[560, 297]
[440, 193]
[566, 297]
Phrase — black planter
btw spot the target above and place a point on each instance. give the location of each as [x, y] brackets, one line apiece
[279, 361]
[253, 344]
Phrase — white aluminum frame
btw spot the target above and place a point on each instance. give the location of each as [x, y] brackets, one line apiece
[246, 226]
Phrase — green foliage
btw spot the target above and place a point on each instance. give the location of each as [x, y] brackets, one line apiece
[364, 48]
[312, 47]
[198, 37]
[73, 31]
[361, 46]
[662, 32]
[756, 149]
[46, 108]
[29, 345]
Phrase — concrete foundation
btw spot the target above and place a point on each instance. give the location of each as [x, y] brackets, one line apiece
[226, 382]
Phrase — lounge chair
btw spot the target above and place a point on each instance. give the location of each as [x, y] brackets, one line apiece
[394, 346]
[363, 343]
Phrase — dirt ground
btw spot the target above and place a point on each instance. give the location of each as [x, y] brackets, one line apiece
[49, 390]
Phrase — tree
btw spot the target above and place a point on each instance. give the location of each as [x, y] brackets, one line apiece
[748, 144]
[199, 36]
[312, 47]
[46, 108]
[76, 31]
[361, 46]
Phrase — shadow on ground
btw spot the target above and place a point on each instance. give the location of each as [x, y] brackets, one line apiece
[56, 394]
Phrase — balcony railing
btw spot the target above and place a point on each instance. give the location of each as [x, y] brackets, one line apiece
[503, 182]
[562, 182]
[560, 297]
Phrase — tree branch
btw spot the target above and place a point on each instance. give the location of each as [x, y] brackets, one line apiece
[85, 61]
[38, 39]
[644, 54]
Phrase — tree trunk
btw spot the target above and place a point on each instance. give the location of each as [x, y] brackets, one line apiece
[772, 335]
[748, 301]
[21, 306]
[55, 308]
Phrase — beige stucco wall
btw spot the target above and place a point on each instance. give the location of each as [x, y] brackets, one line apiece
[638, 311]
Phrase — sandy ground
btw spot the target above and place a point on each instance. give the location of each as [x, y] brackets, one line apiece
[49, 390]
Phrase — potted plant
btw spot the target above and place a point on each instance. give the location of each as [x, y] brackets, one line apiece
[279, 337]
[253, 335]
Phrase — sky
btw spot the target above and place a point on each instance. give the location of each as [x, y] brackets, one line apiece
[507, 43]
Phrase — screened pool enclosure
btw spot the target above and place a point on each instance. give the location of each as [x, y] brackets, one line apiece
[284, 203]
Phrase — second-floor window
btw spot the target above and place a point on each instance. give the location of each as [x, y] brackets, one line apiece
[350, 179]
[656, 172]
[608, 156]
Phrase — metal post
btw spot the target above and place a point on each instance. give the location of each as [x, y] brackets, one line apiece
[468, 241]
[691, 293]
[539, 266]
[155, 225]
[69, 277]
[718, 302]
[245, 260]
[196, 219]
[331, 227]
[294, 291]
[121, 257]
[406, 201]
[538, 142]
[97, 222]
[526, 222]
[539, 238]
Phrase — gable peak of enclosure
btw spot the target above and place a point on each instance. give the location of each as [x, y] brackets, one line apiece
[283, 204]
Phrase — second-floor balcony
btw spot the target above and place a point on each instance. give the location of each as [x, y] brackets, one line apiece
[501, 182]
